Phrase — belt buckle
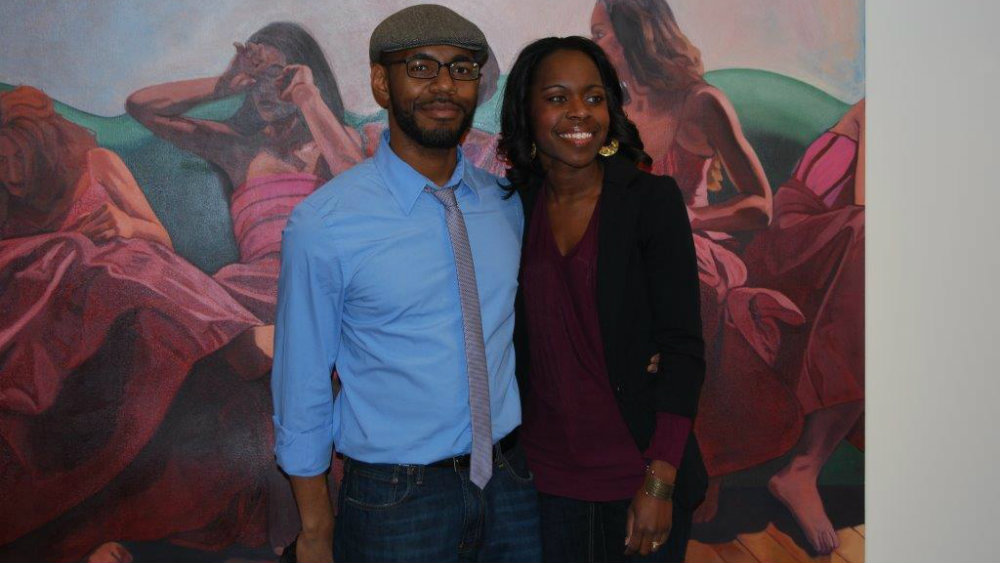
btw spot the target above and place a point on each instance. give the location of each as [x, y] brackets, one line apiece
[454, 463]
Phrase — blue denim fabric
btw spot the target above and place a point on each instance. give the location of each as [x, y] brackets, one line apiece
[580, 531]
[420, 513]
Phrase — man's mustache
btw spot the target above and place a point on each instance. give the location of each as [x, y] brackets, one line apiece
[441, 102]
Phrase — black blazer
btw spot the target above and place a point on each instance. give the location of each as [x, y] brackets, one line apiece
[647, 302]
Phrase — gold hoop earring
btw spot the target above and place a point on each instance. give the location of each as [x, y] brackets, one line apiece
[534, 152]
[609, 149]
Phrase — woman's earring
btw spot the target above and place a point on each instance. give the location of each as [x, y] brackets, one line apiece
[609, 149]
[534, 152]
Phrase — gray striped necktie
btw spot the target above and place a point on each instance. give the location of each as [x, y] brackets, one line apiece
[475, 350]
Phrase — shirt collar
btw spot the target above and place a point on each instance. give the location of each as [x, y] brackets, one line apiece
[405, 183]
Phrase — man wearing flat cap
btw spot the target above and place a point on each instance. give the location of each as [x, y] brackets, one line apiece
[402, 271]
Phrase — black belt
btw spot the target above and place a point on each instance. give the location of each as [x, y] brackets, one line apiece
[505, 444]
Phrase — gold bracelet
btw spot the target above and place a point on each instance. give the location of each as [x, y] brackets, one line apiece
[658, 488]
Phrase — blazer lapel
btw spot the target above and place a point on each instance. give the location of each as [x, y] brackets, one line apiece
[614, 239]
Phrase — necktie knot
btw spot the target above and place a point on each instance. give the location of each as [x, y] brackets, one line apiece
[445, 195]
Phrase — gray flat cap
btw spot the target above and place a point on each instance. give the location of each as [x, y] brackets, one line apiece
[426, 24]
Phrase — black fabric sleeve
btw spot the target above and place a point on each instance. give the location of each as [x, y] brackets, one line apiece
[672, 282]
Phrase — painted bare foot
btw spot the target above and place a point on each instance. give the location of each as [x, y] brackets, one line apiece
[110, 552]
[710, 506]
[795, 487]
[250, 354]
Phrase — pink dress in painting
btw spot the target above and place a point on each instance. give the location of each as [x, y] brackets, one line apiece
[746, 414]
[814, 253]
[98, 351]
[260, 209]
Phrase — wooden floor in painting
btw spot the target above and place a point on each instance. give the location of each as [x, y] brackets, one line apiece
[774, 546]
[751, 527]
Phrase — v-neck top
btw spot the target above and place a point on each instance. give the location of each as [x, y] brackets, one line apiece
[574, 436]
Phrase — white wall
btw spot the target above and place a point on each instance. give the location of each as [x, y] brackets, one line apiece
[933, 348]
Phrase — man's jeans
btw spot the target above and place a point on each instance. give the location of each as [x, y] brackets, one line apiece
[423, 513]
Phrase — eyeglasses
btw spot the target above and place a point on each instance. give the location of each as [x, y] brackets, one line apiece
[424, 67]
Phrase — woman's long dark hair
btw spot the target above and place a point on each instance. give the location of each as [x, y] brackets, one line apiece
[657, 52]
[299, 47]
[516, 137]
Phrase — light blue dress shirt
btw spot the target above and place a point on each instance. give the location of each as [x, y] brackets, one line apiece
[368, 282]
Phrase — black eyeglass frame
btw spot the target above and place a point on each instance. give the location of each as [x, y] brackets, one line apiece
[478, 70]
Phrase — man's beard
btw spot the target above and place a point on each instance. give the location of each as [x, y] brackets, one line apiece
[430, 138]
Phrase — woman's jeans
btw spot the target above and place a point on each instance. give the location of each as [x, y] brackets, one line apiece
[594, 532]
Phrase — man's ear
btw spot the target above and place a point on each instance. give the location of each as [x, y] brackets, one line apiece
[380, 85]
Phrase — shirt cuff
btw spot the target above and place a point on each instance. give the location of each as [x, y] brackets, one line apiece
[303, 454]
[669, 438]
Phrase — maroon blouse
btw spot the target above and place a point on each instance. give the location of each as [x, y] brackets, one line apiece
[574, 436]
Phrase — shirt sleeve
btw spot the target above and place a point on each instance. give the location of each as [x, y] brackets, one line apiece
[672, 273]
[669, 438]
[307, 339]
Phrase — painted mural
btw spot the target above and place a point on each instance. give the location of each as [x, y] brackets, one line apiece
[148, 166]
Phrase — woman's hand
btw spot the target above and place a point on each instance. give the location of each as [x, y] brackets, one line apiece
[649, 518]
[241, 73]
[295, 84]
[105, 223]
[648, 523]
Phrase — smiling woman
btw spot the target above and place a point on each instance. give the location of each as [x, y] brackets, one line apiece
[608, 277]
[568, 111]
